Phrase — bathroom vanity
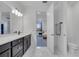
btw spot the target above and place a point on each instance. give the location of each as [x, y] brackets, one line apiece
[15, 46]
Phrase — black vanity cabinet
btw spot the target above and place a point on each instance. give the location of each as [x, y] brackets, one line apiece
[17, 48]
[5, 50]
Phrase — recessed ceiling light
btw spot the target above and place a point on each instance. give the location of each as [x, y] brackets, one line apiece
[44, 1]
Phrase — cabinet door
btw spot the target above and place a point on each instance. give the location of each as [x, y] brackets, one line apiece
[29, 41]
[6, 53]
[16, 49]
[4, 47]
[20, 54]
[25, 45]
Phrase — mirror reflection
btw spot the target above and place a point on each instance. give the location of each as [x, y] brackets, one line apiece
[10, 22]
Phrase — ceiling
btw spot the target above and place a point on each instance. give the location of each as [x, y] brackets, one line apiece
[72, 3]
[69, 3]
[35, 5]
[28, 5]
[4, 7]
[38, 5]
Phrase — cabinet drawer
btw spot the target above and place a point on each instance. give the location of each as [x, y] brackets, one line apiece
[17, 48]
[20, 54]
[15, 42]
[6, 53]
[5, 47]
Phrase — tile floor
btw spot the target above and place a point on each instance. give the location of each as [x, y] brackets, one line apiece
[40, 41]
[38, 52]
[41, 52]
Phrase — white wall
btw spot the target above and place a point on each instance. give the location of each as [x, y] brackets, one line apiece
[50, 28]
[61, 16]
[73, 23]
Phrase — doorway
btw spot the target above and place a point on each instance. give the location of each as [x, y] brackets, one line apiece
[41, 30]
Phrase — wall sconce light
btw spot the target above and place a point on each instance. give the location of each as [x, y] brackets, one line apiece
[16, 12]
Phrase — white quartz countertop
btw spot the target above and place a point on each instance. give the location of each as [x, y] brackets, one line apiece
[10, 37]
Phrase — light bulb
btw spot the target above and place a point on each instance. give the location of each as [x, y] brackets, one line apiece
[21, 14]
[16, 12]
[13, 11]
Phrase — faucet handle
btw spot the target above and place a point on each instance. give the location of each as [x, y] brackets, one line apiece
[19, 32]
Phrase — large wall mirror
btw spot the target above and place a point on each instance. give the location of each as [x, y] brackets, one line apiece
[9, 23]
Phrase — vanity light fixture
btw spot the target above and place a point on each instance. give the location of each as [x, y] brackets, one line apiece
[16, 12]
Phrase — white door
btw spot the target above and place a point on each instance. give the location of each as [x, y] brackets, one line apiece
[50, 29]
